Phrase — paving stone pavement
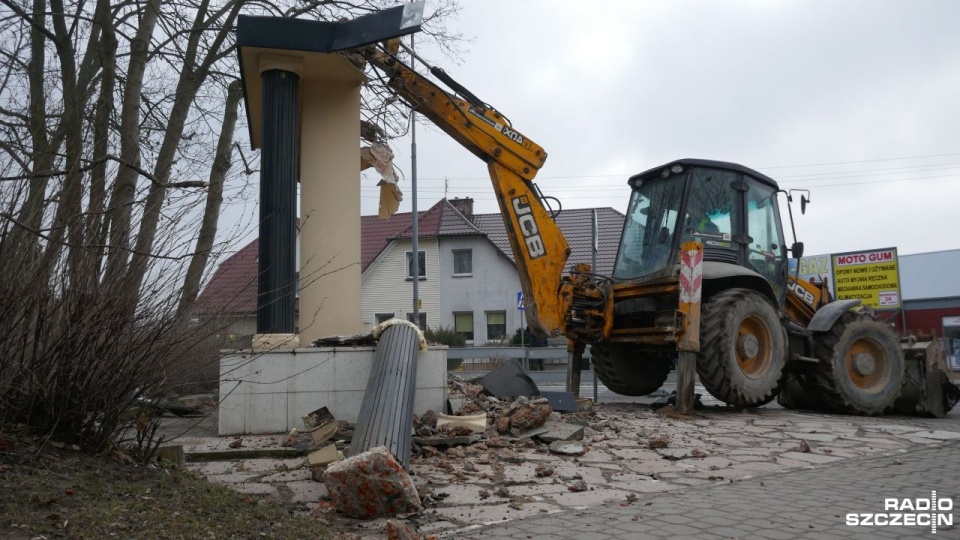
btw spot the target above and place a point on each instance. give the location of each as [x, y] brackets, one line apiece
[805, 503]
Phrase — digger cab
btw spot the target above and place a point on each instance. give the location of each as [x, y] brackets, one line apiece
[731, 209]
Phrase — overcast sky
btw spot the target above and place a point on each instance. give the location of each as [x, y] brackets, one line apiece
[859, 101]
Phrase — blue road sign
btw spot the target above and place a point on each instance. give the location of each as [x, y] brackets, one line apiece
[520, 300]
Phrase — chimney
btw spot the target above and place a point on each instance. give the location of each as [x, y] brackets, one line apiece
[464, 206]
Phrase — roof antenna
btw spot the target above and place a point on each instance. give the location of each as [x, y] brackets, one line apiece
[446, 186]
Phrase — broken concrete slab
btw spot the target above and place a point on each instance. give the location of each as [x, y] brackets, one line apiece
[371, 484]
[567, 448]
[323, 432]
[529, 434]
[476, 423]
[324, 456]
[560, 431]
[317, 418]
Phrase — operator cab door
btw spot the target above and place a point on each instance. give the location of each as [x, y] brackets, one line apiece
[766, 252]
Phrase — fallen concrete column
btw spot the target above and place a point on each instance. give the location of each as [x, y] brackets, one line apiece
[386, 414]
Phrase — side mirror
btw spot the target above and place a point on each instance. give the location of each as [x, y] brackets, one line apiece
[803, 204]
[797, 248]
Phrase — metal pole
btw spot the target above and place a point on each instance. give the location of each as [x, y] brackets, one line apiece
[413, 203]
[526, 357]
[593, 267]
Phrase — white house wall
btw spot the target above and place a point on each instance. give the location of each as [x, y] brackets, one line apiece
[493, 286]
[385, 288]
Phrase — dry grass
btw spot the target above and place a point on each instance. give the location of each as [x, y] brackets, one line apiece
[62, 493]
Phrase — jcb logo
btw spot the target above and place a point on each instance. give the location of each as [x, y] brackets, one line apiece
[802, 293]
[528, 227]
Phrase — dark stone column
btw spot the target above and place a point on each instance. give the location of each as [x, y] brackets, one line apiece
[277, 272]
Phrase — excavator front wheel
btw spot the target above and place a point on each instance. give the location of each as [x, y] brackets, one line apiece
[861, 369]
[630, 370]
[742, 348]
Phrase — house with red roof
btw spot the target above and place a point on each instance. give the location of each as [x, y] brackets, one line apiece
[468, 279]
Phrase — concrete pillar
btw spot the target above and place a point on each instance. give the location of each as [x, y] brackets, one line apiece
[330, 301]
[276, 282]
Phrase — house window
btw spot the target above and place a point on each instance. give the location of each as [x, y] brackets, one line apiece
[423, 319]
[422, 263]
[496, 325]
[384, 317]
[462, 262]
[463, 325]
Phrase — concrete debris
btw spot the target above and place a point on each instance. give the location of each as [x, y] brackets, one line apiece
[323, 433]
[318, 417]
[561, 431]
[455, 403]
[370, 485]
[658, 442]
[503, 492]
[529, 416]
[324, 456]
[585, 405]
[477, 423]
[567, 448]
[543, 470]
[804, 447]
[398, 530]
[429, 418]
[577, 486]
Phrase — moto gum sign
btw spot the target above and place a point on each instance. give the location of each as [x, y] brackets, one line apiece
[871, 276]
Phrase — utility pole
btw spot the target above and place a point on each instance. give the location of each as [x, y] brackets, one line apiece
[413, 211]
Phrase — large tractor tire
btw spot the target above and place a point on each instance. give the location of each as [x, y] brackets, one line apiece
[861, 369]
[629, 370]
[742, 348]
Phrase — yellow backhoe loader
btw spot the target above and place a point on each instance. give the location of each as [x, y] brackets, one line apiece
[701, 275]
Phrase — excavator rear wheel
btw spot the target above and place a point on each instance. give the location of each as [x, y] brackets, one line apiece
[861, 369]
[742, 348]
[630, 370]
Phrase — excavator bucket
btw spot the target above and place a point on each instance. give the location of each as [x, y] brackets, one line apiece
[927, 390]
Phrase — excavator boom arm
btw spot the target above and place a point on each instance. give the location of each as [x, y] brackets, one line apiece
[539, 247]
